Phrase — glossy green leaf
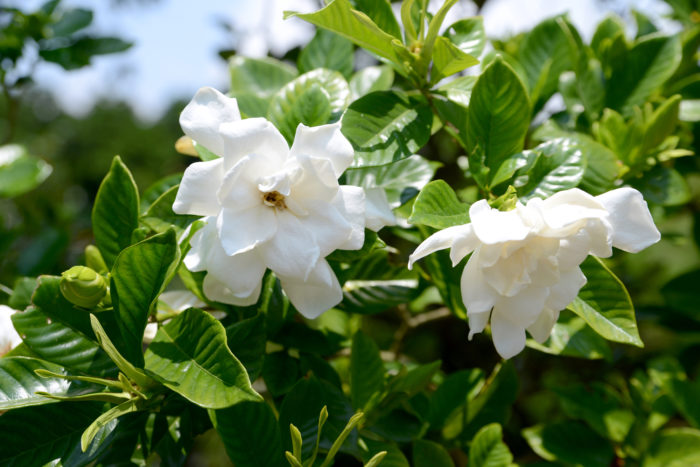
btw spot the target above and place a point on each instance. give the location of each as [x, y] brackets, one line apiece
[610, 27]
[386, 126]
[110, 415]
[139, 275]
[459, 91]
[449, 59]
[19, 383]
[645, 68]
[664, 185]
[488, 449]
[157, 189]
[339, 16]
[327, 50]
[374, 296]
[116, 211]
[553, 166]
[453, 394]
[49, 300]
[312, 99]
[370, 79]
[381, 13]
[572, 337]
[673, 447]
[59, 344]
[19, 171]
[366, 370]
[38, 435]
[247, 339]
[569, 442]
[437, 206]
[250, 433]
[190, 356]
[499, 114]
[399, 180]
[430, 454]
[160, 216]
[605, 304]
[255, 80]
[469, 35]
[22, 293]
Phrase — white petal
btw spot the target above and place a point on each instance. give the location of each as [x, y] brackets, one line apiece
[446, 238]
[594, 238]
[493, 226]
[566, 290]
[477, 322]
[377, 210]
[477, 295]
[326, 142]
[241, 231]
[633, 228]
[241, 275]
[180, 300]
[508, 338]
[567, 211]
[524, 308]
[318, 293]
[541, 329]
[217, 291]
[316, 181]
[238, 191]
[9, 338]
[350, 202]
[465, 241]
[197, 192]
[293, 251]
[253, 136]
[201, 119]
[329, 227]
[203, 243]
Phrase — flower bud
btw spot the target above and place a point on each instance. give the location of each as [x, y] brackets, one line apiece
[94, 260]
[83, 286]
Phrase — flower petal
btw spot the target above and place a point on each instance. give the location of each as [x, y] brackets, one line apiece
[253, 136]
[238, 190]
[524, 308]
[633, 228]
[566, 290]
[318, 293]
[202, 243]
[377, 210]
[508, 337]
[292, 251]
[330, 228]
[350, 202]
[241, 275]
[9, 338]
[324, 142]
[241, 231]
[201, 118]
[197, 192]
[180, 300]
[477, 295]
[217, 291]
[477, 322]
[493, 226]
[446, 238]
[541, 329]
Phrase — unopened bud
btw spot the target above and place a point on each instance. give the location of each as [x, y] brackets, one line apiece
[83, 286]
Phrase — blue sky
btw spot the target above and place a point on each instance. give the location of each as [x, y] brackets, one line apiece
[176, 42]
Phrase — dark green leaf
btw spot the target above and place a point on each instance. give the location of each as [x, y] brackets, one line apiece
[488, 449]
[139, 275]
[50, 301]
[247, 339]
[79, 53]
[453, 394]
[116, 211]
[280, 372]
[255, 80]
[250, 433]
[190, 356]
[22, 293]
[160, 216]
[386, 126]
[572, 337]
[554, 166]
[673, 447]
[664, 185]
[71, 21]
[19, 171]
[366, 370]
[437, 206]
[430, 454]
[381, 13]
[569, 442]
[19, 383]
[327, 50]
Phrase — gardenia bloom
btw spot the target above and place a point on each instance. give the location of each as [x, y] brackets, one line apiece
[524, 268]
[9, 339]
[268, 206]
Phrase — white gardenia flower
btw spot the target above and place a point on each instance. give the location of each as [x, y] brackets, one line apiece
[267, 205]
[524, 268]
[9, 339]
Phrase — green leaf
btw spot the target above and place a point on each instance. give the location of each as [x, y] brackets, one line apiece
[139, 275]
[190, 356]
[437, 206]
[446, 278]
[49, 300]
[646, 67]
[499, 114]
[59, 344]
[393, 458]
[22, 293]
[488, 449]
[605, 304]
[673, 447]
[255, 80]
[370, 79]
[339, 16]
[381, 13]
[100, 422]
[366, 370]
[430, 454]
[553, 166]
[71, 21]
[312, 99]
[453, 394]
[680, 294]
[280, 372]
[160, 216]
[664, 185]
[572, 337]
[38, 435]
[116, 211]
[399, 180]
[157, 189]
[250, 433]
[19, 171]
[469, 35]
[246, 339]
[386, 126]
[448, 59]
[459, 91]
[569, 442]
[19, 383]
[599, 406]
[327, 50]
[79, 53]
[302, 406]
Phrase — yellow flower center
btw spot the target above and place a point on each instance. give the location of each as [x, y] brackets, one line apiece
[274, 199]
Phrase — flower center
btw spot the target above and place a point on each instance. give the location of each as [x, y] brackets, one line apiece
[274, 199]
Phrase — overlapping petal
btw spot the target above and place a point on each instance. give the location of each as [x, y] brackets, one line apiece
[325, 142]
[201, 118]
[194, 196]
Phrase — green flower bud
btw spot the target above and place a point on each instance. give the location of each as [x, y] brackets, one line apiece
[82, 286]
[94, 260]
